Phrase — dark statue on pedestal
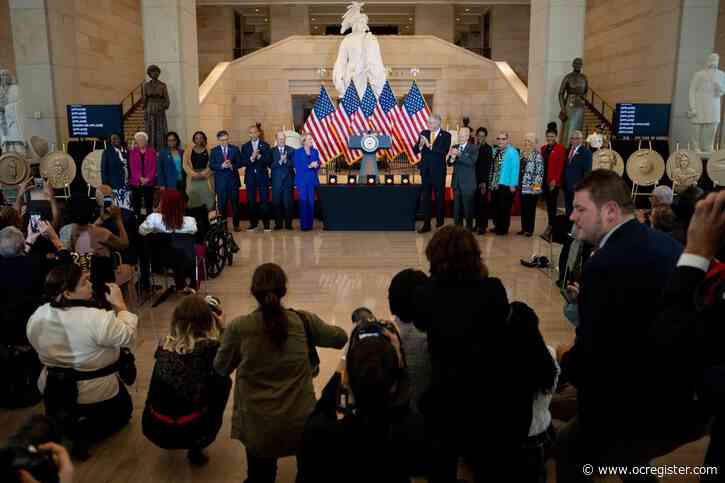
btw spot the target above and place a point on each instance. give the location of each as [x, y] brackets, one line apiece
[571, 99]
[155, 104]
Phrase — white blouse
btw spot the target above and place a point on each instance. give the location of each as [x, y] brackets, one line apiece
[85, 339]
[154, 223]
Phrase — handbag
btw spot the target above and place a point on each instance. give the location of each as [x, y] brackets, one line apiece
[314, 357]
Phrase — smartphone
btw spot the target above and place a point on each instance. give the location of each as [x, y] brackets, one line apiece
[107, 201]
[35, 222]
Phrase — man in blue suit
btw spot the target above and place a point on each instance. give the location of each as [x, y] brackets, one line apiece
[433, 146]
[578, 165]
[283, 179]
[226, 161]
[621, 416]
[256, 158]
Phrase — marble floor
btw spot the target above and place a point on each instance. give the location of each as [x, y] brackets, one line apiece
[330, 273]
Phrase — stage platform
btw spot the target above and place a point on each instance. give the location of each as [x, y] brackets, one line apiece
[369, 207]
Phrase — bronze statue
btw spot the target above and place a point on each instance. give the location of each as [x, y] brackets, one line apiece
[155, 104]
[571, 99]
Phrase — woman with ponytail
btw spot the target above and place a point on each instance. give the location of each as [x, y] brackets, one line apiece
[273, 394]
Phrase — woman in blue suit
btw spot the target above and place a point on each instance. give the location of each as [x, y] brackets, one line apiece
[307, 164]
[170, 171]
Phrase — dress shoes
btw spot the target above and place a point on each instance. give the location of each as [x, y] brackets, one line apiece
[252, 228]
[277, 227]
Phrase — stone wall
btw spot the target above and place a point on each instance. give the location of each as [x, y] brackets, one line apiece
[630, 49]
[720, 34]
[510, 36]
[215, 35]
[438, 20]
[287, 20]
[7, 54]
[258, 87]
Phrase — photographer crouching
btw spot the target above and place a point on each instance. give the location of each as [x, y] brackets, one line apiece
[33, 455]
[364, 445]
[85, 356]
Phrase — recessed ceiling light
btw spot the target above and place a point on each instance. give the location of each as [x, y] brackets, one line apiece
[315, 27]
[468, 10]
[265, 19]
[313, 19]
[458, 19]
[410, 19]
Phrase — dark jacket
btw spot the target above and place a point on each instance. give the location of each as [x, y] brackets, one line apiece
[348, 449]
[185, 386]
[257, 172]
[688, 335]
[112, 169]
[621, 286]
[464, 169]
[167, 175]
[433, 161]
[283, 175]
[22, 286]
[483, 166]
[225, 178]
[577, 168]
[466, 326]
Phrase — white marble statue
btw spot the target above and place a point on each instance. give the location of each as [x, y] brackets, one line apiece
[11, 115]
[706, 88]
[358, 58]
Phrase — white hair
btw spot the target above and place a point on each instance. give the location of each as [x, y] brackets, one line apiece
[578, 133]
[663, 194]
[437, 117]
[141, 134]
[530, 136]
[12, 242]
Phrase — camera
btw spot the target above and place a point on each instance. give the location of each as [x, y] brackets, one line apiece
[214, 303]
[107, 202]
[35, 222]
[22, 453]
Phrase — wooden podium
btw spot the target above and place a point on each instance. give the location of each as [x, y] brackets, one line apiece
[369, 144]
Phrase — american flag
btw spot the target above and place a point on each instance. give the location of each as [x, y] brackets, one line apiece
[411, 119]
[350, 120]
[320, 126]
[368, 107]
[385, 110]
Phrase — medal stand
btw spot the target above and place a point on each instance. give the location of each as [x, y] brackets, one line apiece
[105, 146]
[635, 186]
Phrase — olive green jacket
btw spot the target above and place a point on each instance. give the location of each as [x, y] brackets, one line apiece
[273, 394]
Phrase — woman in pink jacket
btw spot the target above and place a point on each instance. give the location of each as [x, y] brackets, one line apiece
[142, 174]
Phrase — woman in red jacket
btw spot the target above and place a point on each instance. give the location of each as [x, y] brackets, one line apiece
[142, 174]
[554, 155]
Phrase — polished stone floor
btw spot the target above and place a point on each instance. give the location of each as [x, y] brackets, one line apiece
[330, 273]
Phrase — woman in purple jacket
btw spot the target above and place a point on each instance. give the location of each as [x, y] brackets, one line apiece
[142, 174]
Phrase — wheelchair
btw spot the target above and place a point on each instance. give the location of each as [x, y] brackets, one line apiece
[220, 246]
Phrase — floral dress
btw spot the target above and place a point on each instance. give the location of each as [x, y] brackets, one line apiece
[532, 172]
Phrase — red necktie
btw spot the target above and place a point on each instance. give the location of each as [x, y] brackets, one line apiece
[571, 154]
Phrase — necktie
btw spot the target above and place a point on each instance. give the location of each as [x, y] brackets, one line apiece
[224, 148]
[571, 154]
[432, 138]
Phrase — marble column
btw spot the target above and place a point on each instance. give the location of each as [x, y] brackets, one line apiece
[287, 20]
[556, 38]
[696, 42]
[170, 41]
[34, 69]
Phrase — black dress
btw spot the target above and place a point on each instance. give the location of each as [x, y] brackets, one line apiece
[186, 399]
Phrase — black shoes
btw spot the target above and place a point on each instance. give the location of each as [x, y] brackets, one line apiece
[277, 227]
[252, 227]
[536, 262]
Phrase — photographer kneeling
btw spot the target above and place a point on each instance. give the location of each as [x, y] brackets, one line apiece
[82, 349]
[364, 445]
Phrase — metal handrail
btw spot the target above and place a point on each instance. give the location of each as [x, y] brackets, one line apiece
[132, 101]
[600, 107]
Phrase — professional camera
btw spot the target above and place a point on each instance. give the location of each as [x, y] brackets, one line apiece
[21, 452]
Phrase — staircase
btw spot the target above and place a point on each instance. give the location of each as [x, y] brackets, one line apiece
[597, 112]
[133, 113]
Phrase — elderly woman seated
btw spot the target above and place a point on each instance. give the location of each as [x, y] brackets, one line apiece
[170, 220]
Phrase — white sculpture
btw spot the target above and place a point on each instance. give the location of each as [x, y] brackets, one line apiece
[706, 88]
[358, 59]
[11, 115]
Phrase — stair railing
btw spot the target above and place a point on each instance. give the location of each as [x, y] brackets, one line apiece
[132, 101]
[600, 108]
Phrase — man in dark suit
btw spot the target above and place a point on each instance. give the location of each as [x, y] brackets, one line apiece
[689, 331]
[483, 179]
[433, 145]
[256, 158]
[618, 419]
[463, 159]
[283, 179]
[225, 161]
[578, 165]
